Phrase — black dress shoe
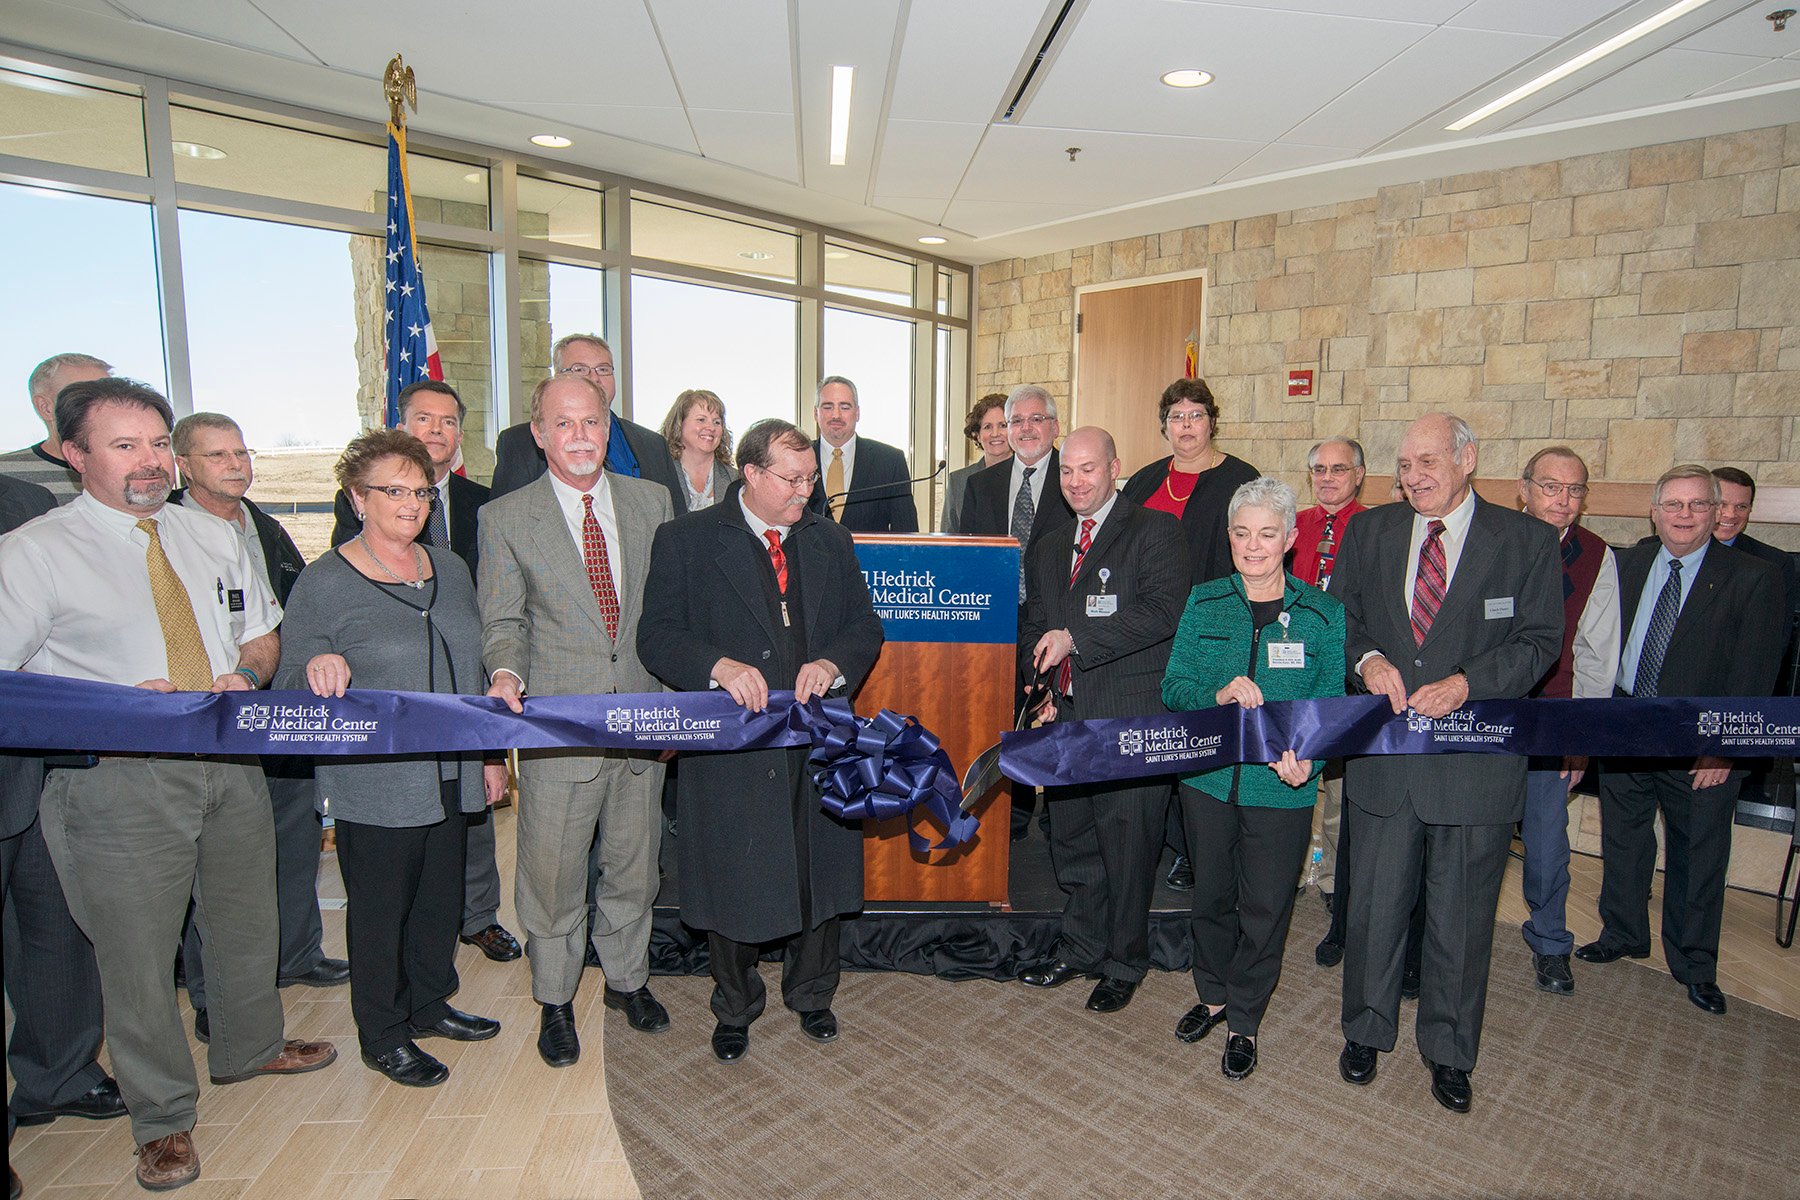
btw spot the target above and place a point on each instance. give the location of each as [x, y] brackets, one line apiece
[557, 1042]
[1357, 1063]
[458, 1027]
[642, 1012]
[1604, 952]
[1052, 973]
[820, 1025]
[1181, 874]
[408, 1066]
[730, 1042]
[1110, 995]
[1240, 1056]
[327, 972]
[592, 957]
[1197, 1023]
[202, 1027]
[1450, 1087]
[1329, 952]
[1553, 974]
[101, 1102]
[1707, 997]
[1409, 985]
[494, 942]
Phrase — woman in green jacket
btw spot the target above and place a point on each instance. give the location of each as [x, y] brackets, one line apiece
[1257, 634]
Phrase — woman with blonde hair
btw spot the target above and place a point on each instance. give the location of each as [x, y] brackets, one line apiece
[701, 446]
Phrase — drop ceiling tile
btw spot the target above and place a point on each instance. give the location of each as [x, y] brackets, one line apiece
[235, 22]
[762, 142]
[1277, 157]
[658, 126]
[860, 35]
[1780, 70]
[925, 158]
[1556, 18]
[929, 209]
[1663, 78]
[1747, 32]
[1434, 12]
[732, 55]
[958, 57]
[1112, 168]
[989, 218]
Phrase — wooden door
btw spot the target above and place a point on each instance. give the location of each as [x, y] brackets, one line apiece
[1130, 344]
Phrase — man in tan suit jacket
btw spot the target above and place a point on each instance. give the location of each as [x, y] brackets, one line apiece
[563, 563]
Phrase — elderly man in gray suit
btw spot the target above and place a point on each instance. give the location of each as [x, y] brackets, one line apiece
[563, 563]
[1447, 599]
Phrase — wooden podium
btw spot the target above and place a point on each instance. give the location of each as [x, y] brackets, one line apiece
[949, 661]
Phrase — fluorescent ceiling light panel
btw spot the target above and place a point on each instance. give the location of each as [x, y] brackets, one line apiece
[1587, 58]
[841, 80]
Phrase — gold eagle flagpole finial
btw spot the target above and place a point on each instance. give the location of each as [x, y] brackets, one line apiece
[402, 92]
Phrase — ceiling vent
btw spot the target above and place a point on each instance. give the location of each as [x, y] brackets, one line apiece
[1053, 33]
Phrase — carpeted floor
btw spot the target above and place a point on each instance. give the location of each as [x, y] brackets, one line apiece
[984, 1089]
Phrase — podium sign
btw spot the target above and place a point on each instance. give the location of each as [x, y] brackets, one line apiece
[944, 589]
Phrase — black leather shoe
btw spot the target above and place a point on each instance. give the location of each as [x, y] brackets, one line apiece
[1240, 1056]
[592, 957]
[1553, 974]
[820, 1026]
[1450, 1087]
[1181, 874]
[1197, 1023]
[557, 1042]
[327, 972]
[494, 942]
[1707, 997]
[101, 1102]
[1357, 1063]
[730, 1042]
[202, 1027]
[408, 1066]
[1604, 952]
[458, 1027]
[1052, 973]
[1329, 952]
[1110, 995]
[1409, 985]
[642, 1012]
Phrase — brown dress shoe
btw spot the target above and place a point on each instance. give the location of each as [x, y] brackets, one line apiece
[296, 1058]
[168, 1163]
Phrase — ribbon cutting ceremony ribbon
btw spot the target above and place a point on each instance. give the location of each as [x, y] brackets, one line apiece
[1347, 726]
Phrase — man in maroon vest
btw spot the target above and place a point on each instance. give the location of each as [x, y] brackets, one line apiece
[1553, 489]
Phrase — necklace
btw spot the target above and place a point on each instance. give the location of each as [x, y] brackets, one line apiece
[418, 565]
[1168, 478]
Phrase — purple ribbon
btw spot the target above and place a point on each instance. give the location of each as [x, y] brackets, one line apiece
[886, 766]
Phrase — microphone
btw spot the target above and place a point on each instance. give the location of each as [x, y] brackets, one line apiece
[886, 487]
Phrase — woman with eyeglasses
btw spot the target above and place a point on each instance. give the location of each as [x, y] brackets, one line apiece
[700, 444]
[986, 427]
[383, 611]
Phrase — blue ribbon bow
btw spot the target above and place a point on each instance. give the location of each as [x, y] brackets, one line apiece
[886, 766]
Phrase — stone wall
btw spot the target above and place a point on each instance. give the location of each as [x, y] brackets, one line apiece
[1641, 305]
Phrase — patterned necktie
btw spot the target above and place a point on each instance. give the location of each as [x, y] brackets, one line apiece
[777, 557]
[1065, 672]
[1656, 638]
[1327, 550]
[1432, 582]
[599, 567]
[437, 523]
[189, 668]
[1024, 512]
[834, 482]
[1571, 550]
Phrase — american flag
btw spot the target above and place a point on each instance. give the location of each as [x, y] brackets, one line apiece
[412, 352]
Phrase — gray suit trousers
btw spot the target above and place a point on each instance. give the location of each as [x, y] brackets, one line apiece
[481, 875]
[557, 822]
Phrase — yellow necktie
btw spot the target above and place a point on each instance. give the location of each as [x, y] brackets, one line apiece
[834, 482]
[189, 668]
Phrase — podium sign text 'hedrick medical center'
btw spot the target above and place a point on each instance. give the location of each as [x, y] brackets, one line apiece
[931, 591]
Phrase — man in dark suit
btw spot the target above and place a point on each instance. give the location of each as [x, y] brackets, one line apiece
[631, 449]
[52, 982]
[1447, 599]
[1105, 595]
[1737, 495]
[751, 594]
[1700, 619]
[217, 471]
[1012, 499]
[863, 484]
[431, 411]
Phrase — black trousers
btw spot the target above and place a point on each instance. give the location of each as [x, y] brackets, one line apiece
[809, 973]
[405, 892]
[1697, 849]
[1247, 862]
[1415, 929]
[1104, 845]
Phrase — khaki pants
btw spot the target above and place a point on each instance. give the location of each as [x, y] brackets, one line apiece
[1329, 818]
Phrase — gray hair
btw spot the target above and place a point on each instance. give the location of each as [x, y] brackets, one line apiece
[831, 379]
[1266, 492]
[182, 436]
[1461, 436]
[40, 374]
[1356, 451]
[1030, 391]
[1686, 471]
[563, 343]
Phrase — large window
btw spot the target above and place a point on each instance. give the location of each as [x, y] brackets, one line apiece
[876, 353]
[734, 343]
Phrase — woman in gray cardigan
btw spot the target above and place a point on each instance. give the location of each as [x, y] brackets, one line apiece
[700, 444]
[383, 611]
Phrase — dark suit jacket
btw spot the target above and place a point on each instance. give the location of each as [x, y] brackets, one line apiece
[21, 776]
[279, 552]
[1203, 519]
[1120, 659]
[881, 499]
[988, 501]
[1509, 557]
[1783, 562]
[518, 461]
[466, 499]
[1728, 638]
[722, 479]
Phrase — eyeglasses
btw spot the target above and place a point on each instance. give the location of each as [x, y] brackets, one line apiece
[1034, 420]
[395, 492]
[800, 483]
[603, 371]
[1188, 418]
[1574, 491]
[1675, 508]
[219, 458]
[1335, 469]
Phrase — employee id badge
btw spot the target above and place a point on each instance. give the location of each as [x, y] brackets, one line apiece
[1102, 606]
[234, 600]
[1286, 654]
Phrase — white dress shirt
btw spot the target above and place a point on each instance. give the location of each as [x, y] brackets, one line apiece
[575, 516]
[244, 527]
[1653, 586]
[1453, 539]
[1099, 520]
[1594, 654]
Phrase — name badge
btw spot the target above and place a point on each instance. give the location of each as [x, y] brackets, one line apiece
[1287, 654]
[1499, 607]
[234, 599]
[1102, 606]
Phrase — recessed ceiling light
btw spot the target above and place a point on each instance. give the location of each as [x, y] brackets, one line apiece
[842, 79]
[551, 141]
[932, 240]
[197, 150]
[472, 177]
[837, 254]
[755, 255]
[1188, 78]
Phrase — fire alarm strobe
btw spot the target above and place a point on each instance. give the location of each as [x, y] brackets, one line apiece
[1300, 383]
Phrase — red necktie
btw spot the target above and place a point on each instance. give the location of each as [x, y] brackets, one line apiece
[1431, 584]
[1065, 672]
[779, 558]
[599, 569]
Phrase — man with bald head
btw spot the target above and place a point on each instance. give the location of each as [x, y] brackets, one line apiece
[1104, 595]
[44, 463]
[1448, 599]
